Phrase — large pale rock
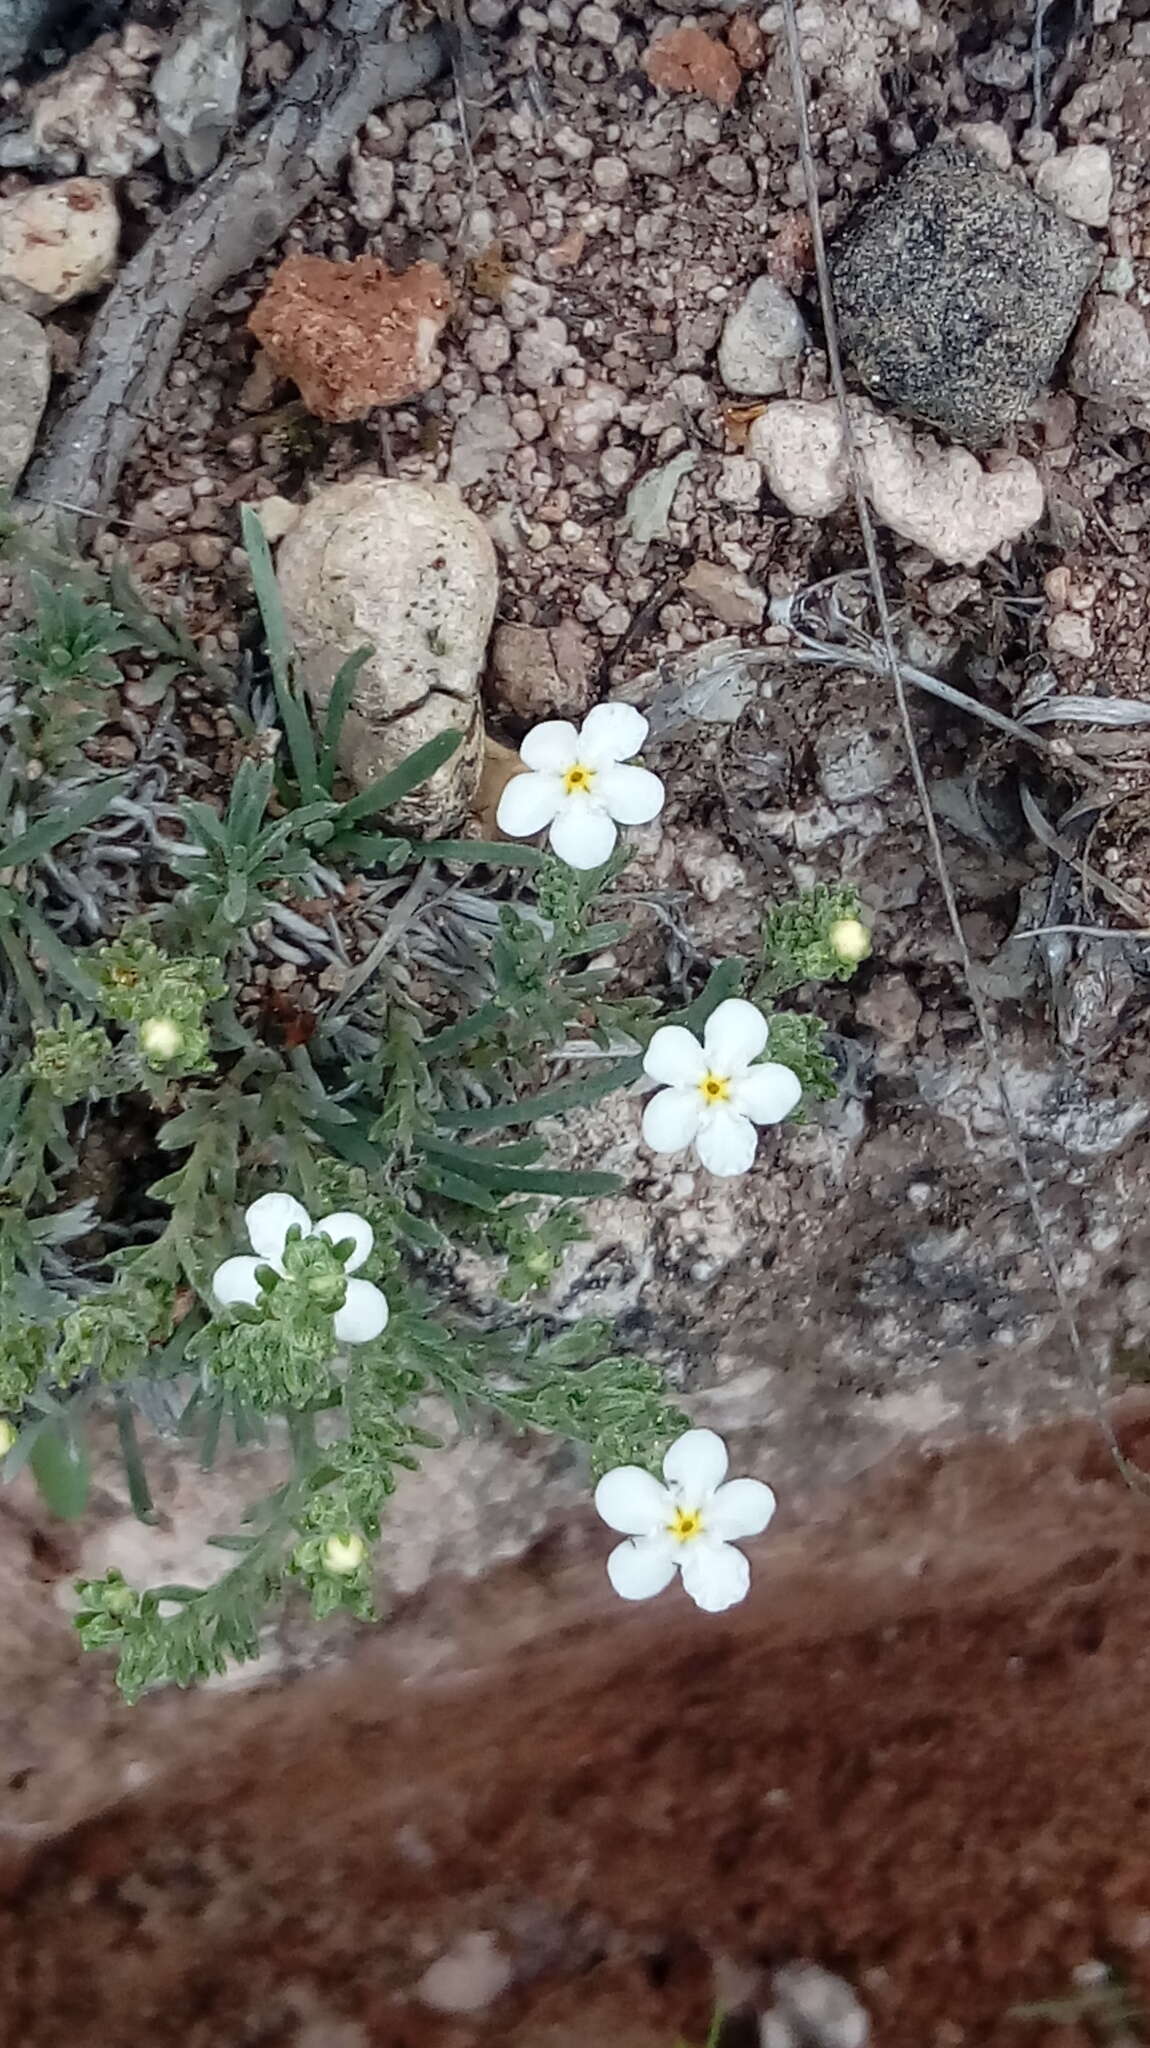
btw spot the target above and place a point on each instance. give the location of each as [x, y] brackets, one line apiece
[406, 569]
[57, 242]
[25, 374]
[1080, 181]
[941, 498]
[1110, 363]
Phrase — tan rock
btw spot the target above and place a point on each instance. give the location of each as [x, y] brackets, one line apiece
[407, 570]
[540, 672]
[689, 60]
[353, 335]
[724, 593]
[748, 42]
[57, 242]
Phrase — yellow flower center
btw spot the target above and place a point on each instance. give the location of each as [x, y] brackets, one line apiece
[578, 780]
[688, 1523]
[714, 1089]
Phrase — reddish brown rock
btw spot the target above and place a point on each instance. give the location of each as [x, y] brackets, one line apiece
[353, 335]
[689, 60]
[748, 42]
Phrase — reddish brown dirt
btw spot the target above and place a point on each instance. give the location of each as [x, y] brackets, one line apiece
[920, 1754]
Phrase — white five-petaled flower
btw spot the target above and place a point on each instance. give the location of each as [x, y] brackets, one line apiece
[583, 784]
[364, 1312]
[686, 1525]
[713, 1095]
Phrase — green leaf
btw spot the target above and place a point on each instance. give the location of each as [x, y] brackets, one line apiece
[491, 1170]
[61, 824]
[293, 714]
[337, 710]
[435, 1180]
[554, 1102]
[58, 957]
[391, 789]
[59, 1463]
[490, 853]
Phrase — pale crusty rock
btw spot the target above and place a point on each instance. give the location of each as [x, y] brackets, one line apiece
[942, 498]
[25, 374]
[801, 446]
[406, 569]
[1110, 362]
[57, 243]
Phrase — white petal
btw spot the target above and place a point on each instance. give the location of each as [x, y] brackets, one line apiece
[639, 1570]
[268, 1222]
[551, 748]
[632, 795]
[236, 1281]
[716, 1575]
[342, 1225]
[726, 1142]
[734, 1035]
[766, 1093]
[671, 1119]
[695, 1464]
[612, 732]
[633, 1501]
[583, 835]
[528, 803]
[741, 1508]
[363, 1315]
[675, 1057]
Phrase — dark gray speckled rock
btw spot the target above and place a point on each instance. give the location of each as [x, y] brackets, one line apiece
[956, 291]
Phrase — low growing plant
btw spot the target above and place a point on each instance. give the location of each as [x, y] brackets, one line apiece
[403, 1105]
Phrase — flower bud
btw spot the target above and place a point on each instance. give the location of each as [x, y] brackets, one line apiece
[7, 1435]
[344, 1554]
[161, 1038]
[849, 939]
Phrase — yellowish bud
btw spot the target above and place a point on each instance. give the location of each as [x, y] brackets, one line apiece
[160, 1038]
[850, 939]
[344, 1554]
[7, 1436]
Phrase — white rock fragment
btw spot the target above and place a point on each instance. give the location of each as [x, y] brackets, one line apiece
[57, 242]
[25, 374]
[801, 447]
[739, 482]
[1080, 181]
[761, 339]
[468, 1977]
[1070, 633]
[276, 515]
[821, 2007]
[941, 498]
[581, 423]
[544, 353]
[197, 85]
[372, 182]
[408, 571]
[482, 440]
[990, 138]
[88, 113]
